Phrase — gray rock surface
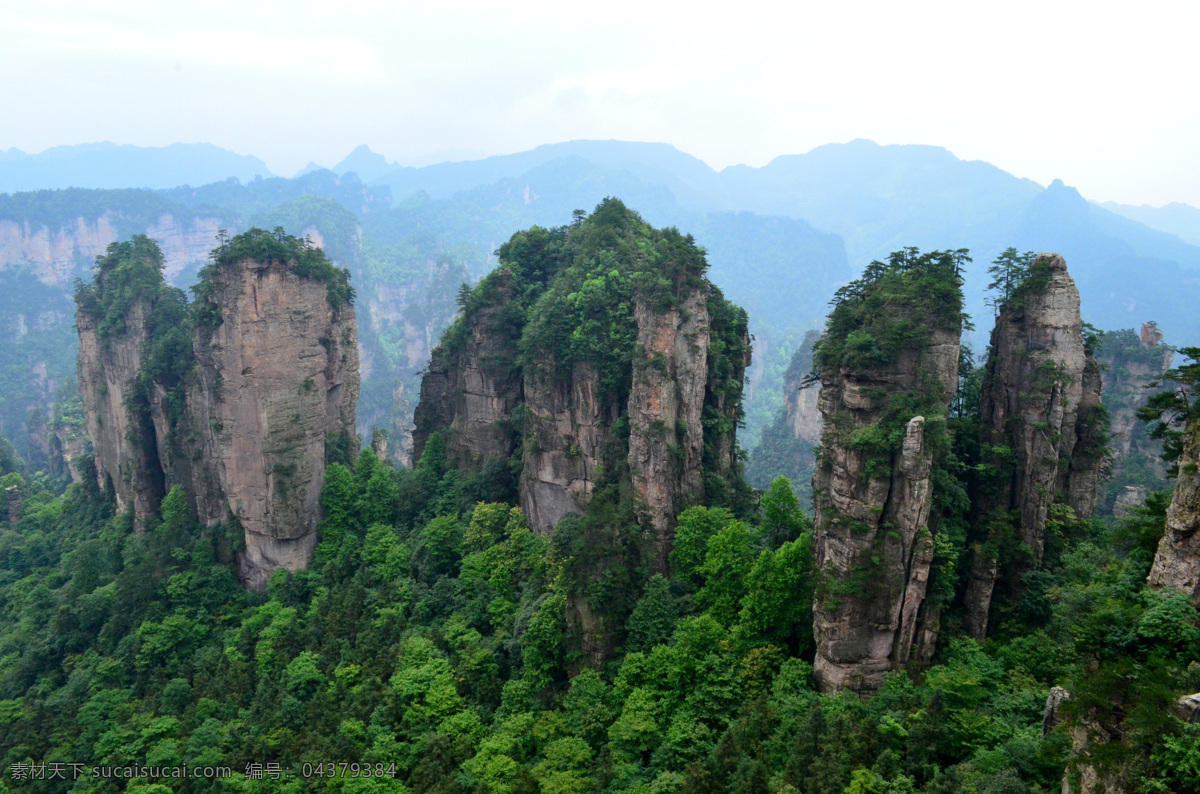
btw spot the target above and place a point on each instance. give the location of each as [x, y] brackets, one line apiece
[1040, 396]
[271, 383]
[666, 403]
[565, 430]
[125, 457]
[1052, 716]
[873, 545]
[274, 380]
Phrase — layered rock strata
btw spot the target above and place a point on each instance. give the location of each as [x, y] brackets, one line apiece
[873, 542]
[1041, 401]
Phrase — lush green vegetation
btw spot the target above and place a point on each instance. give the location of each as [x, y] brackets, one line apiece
[429, 634]
[279, 248]
[436, 633]
[891, 308]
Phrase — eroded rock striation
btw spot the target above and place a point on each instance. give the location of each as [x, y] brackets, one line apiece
[1177, 562]
[888, 371]
[234, 398]
[1042, 416]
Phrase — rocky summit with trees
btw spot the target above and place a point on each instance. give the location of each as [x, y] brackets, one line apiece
[573, 588]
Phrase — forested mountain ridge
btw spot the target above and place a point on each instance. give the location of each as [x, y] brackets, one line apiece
[596, 370]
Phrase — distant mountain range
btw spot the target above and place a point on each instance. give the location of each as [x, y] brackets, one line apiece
[781, 238]
[107, 165]
[1182, 220]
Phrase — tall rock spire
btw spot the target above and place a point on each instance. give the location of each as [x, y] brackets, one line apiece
[888, 370]
[1042, 420]
[233, 398]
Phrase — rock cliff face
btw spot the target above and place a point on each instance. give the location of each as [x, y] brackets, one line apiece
[873, 538]
[234, 398]
[126, 458]
[274, 380]
[1041, 400]
[872, 488]
[567, 428]
[471, 387]
[59, 255]
[1177, 563]
[666, 404]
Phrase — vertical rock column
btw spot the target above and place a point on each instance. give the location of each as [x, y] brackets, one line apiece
[275, 378]
[1040, 398]
[1177, 563]
[873, 543]
[124, 450]
[666, 402]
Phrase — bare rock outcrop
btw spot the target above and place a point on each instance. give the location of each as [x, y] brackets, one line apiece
[566, 428]
[273, 381]
[1052, 716]
[666, 404]
[126, 459]
[1177, 562]
[1041, 401]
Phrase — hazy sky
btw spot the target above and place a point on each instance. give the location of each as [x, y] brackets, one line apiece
[1104, 95]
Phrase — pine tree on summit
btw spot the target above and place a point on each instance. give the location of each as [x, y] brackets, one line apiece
[1007, 271]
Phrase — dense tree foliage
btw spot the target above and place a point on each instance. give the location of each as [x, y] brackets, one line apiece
[428, 634]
